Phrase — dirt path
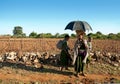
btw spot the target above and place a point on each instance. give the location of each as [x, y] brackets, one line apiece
[54, 77]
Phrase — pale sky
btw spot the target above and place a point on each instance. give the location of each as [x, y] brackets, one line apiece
[52, 16]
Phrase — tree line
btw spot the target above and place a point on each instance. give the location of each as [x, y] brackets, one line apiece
[18, 33]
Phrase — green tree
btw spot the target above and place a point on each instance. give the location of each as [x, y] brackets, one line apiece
[118, 35]
[33, 35]
[48, 35]
[112, 36]
[23, 35]
[40, 35]
[90, 34]
[18, 32]
[73, 35]
[63, 35]
[45, 35]
[57, 35]
[94, 36]
[99, 35]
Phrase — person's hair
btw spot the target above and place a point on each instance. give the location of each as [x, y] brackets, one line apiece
[67, 36]
[89, 38]
[79, 35]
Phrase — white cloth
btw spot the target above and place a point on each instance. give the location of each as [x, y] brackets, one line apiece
[85, 59]
[87, 54]
[76, 52]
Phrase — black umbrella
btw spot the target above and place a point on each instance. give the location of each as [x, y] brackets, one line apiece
[78, 25]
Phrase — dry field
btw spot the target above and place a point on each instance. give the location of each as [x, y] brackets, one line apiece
[40, 45]
[96, 73]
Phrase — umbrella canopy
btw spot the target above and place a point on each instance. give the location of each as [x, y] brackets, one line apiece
[78, 25]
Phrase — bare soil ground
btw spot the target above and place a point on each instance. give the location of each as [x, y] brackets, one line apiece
[52, 75]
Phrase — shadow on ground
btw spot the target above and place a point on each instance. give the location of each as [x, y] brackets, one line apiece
[30, 68]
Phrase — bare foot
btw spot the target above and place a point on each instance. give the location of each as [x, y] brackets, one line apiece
[76, 75]
[83, 74]
[61, 68]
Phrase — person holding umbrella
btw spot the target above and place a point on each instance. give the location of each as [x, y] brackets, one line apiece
[81, 46]
[80, 51]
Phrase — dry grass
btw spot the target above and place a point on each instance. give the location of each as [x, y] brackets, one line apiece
[40, 45]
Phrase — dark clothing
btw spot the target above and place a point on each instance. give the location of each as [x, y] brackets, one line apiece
[79, 65]
[64, 58]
